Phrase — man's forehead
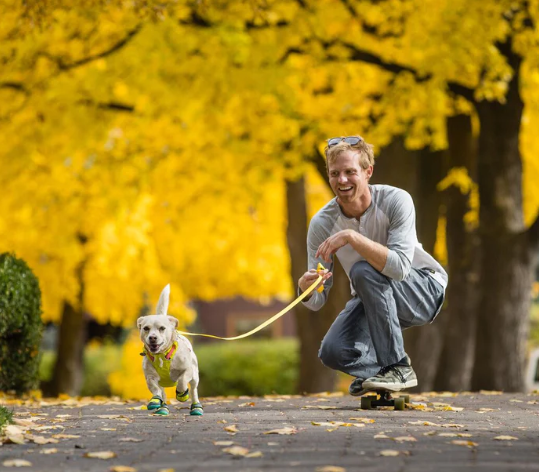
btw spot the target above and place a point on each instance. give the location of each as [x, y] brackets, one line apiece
[345, 160]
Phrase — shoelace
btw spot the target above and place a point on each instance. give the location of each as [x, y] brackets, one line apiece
[385, 370]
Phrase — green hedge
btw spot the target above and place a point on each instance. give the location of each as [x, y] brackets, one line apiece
[20, 325]
[248, 367]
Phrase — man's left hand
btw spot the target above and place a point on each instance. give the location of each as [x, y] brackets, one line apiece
[332, 244]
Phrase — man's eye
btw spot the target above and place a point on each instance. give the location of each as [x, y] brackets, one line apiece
[146, 328]
[162, 328]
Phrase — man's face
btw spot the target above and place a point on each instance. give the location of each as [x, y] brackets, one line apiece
[348, 180]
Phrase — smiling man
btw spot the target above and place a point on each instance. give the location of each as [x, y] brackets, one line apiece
[395, 283]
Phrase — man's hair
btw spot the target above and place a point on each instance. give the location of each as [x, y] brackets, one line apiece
[364, 150]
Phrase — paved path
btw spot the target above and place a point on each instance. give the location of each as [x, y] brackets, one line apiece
[423, 437]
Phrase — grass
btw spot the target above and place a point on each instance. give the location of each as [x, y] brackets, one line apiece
[6, 416]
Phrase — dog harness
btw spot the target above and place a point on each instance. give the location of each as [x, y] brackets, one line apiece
[161, 363]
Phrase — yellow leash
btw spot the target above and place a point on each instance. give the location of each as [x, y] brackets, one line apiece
[272, 319]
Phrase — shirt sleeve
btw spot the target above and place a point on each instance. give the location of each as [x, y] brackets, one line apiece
[316, 235]
[402, 237]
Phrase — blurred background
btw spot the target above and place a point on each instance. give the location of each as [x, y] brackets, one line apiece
[181, 142]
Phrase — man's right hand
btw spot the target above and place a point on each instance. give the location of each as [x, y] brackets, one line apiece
[308, 278]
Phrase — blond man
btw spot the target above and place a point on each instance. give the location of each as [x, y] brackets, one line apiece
[395, 283]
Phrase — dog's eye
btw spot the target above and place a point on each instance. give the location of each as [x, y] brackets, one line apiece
[146, 328]
[162, 328]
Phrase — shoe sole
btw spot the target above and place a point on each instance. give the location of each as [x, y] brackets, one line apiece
[369, 386]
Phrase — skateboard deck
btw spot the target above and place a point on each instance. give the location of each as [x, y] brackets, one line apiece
[383, 398]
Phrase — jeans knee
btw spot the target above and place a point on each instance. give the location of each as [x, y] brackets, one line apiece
[328, 355]
[362, 274]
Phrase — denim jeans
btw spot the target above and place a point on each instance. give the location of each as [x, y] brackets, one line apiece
[367, 334]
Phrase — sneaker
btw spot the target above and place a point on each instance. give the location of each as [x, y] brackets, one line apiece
[394, 377]
[356, 388]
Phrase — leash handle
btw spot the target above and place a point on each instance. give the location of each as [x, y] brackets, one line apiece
[267, 322]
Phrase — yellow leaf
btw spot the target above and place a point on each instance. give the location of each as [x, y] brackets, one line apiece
[17, 463]
[330, 468]
[100, 455]
[461, 442]
[405, 439]
[232, 428]
[506, 438]
[49, 450]
[236, 450]
[363, 420]
[130, 440]
[390, 452]
[255, 454]
[282, 431]
[14, 434]
[223, 443]
[65, 436]
[122, 468]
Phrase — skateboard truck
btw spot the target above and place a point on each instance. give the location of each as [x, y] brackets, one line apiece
[384, 398]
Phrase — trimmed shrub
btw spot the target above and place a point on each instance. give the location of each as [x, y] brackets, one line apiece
[248, 367]
[20, 325]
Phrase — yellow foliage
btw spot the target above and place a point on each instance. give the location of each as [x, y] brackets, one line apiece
[458, 177]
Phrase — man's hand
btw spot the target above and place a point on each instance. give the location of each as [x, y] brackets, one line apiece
[308, 278]
[332, 244]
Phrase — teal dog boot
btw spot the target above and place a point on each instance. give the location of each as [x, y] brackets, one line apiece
[196, 409]
[155, 403]
[182, 397]
[163, 411]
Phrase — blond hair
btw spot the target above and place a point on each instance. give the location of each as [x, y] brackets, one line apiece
[364, 150]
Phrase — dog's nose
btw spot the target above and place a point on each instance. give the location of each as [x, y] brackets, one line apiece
[152, 338]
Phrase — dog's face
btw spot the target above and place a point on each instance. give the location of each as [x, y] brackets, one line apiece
[156, 331]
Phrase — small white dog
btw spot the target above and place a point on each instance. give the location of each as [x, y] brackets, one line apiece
[169, 359]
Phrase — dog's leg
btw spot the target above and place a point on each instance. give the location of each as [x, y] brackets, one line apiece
[158, 401]
[182, 388]
[196, 406]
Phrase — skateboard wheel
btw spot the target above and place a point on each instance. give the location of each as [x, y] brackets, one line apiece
[366, 403]
[406, 398]
[399, 403]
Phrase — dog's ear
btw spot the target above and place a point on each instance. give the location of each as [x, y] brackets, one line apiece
[173, 321]
[139, 322]
[162, 304]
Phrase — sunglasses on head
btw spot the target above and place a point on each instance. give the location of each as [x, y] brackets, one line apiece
[352, 140]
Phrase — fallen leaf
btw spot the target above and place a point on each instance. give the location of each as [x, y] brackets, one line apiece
[223, 443]
[461, 442]
[20, 422]
[247, 404]
[423, 423]
[167, 470]
[330, 468]
[452, 425]
[49, 450]
[109, 417]
[142, 407]
[448, 435]
[255, 454]
[363, 420]
[16, 463]
[381, 436]
[122, 468]
[236, 451]
[489, 392]
[14, 434]
[107, 429]
[130, 440]
[393, 453]
[282, 431]
[100, 455]
[514, 400]
[506, 438]
[318, 407]
[63, 416]
[41, 439]
[232, 428]
[65, 436]
[405, 439]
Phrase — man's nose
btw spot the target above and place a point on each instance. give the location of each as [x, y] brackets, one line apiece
[341, 178]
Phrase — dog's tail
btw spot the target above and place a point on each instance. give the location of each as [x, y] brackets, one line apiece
[162, 304]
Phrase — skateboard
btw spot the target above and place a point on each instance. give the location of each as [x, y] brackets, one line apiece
[383, 398]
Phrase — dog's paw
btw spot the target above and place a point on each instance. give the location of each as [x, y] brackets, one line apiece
[182, 397]
[196, 409]
[155, 403]
[163, 411]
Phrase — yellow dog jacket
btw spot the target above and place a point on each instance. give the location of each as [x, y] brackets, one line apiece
[161, 363]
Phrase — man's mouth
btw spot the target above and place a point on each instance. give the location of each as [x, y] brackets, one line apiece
[345, 189]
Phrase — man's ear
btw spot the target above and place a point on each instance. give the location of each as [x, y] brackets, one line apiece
[369, 170]
[139, 322]
[173, 321]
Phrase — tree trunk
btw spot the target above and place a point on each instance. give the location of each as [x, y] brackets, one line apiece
[506, 259]
[311, 325]
[68, 372]
[69, 366]
[424, 344]
[459, 319]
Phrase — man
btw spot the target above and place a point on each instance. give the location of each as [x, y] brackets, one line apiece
[395, 284]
